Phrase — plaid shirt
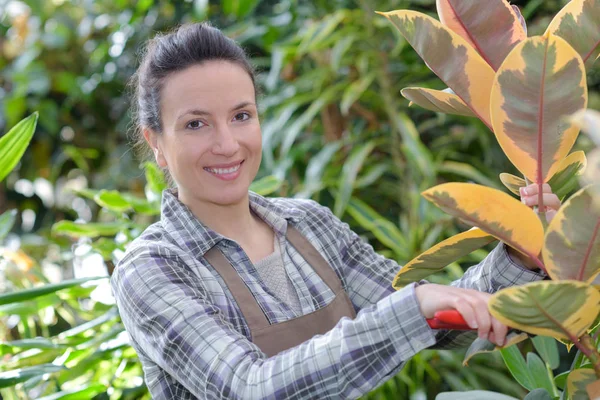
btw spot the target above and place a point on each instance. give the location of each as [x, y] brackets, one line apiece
[193, 341]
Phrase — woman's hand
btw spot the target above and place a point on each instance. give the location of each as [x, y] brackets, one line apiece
[472, 304]
[529, 197]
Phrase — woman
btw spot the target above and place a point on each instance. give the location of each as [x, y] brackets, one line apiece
[232, 295]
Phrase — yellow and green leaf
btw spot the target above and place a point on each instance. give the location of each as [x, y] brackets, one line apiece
[579, 24]
[564, 181]
[572, 243]
[578, 381]
[558, 309]
[494, 212]
[512, 183]
[439, 256]
[443, 101]
[471, 20]
[541, 82]
[450, 57]
[480, 346]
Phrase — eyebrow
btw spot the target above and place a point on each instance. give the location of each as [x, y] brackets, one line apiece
[199, 112]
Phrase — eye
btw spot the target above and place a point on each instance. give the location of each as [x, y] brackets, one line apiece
[243, 116]
[195, 124]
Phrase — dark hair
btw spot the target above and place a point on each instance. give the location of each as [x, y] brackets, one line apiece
[188, 45]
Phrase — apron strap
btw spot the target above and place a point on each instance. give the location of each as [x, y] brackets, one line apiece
[314, 258]
[253, 314]
[255, 318]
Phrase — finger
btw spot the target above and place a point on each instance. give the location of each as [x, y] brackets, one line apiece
[467, 312]
[550, 214]
[533, 189]
[550, 200]
[484, 320]
[499, 331]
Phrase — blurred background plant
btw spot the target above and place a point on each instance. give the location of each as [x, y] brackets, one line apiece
[335, 129]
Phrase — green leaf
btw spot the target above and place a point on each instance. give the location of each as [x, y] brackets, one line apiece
[238, 8]
[347, 179]
[473, 395]
[17, 346]
[542, 377]
[11, 378]
[84, 392]
[560, 380]
[313, 181]
[14, 144]
[112, 200]
[565, 180]
[548, 350]
[467, 171]
[155, 178]
[267, 185]
[481, 346]
[28, 294]
[517, 366]
[385, 231]
[7, 220]
[354, 91]
[92, 229]
[538, 394]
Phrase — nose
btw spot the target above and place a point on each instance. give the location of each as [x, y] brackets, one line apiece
[226, 143]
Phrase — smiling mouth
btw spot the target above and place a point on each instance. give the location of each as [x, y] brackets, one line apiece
[223, 171]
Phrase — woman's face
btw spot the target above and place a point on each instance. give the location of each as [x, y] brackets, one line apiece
[211, 140]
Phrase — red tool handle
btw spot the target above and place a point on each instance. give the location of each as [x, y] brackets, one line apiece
[449, 319]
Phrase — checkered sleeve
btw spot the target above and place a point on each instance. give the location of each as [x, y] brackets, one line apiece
[170, 316]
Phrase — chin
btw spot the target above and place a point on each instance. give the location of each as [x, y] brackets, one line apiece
[231, 196]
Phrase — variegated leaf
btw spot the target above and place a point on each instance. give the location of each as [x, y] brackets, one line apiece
[512, 183]
[541, 82]
[572, 243]
[471, 20]
[443, 101]
[450, 57]
[439, 256]
[579, 24]
[494, 212]
[558, 309]
[564, 181]
[577, 383]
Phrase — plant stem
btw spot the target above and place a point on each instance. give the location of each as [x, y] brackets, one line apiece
[588, 348]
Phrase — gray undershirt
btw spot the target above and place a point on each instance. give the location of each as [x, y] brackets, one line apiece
[272, 272]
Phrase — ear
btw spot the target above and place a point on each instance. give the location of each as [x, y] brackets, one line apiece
[155, 144]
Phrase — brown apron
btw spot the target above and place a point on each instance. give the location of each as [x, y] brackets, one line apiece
[273, 339]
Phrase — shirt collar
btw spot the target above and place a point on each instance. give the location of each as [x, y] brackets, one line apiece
[190, 233]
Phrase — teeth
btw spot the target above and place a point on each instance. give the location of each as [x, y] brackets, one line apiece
[224, 170]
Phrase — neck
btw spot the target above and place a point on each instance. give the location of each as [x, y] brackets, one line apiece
[234, 221]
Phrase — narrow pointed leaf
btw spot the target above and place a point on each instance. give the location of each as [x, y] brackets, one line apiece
[385, 231]
[29, 294]
[572, 243]
[517, 366]
[481, 346]
[450, 57]
[548, 350]
[11, 378]
[493, 211]
[347, 179]
[540, 373]
[556, 309]
[579, 24]
[92, 230]
[564, 181]
[512, 183]
[112, 200]
[7, 220]
[578, 381]
[14, 144]
[437, 100]
[471, 20]
[439, 256]
[266, 186]
[541, 82]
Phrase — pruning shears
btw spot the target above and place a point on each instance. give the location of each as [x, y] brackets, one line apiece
[449, 319]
